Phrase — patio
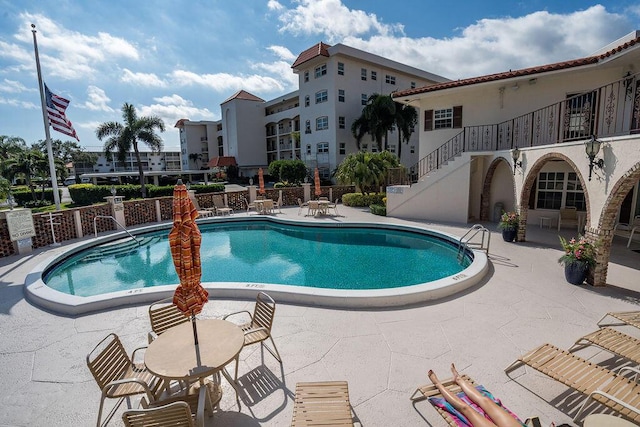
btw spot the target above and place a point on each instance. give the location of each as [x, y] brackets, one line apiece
[383, 354]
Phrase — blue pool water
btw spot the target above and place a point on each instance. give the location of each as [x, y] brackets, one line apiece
[345, 257]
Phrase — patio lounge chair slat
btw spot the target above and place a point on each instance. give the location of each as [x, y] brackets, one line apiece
[613, 341]
[613, 390]
[322, 404]
[631, 318]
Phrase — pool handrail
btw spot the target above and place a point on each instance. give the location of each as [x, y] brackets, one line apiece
[95, 228]
[475, 229]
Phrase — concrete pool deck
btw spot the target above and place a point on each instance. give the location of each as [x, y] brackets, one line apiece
[383, 354]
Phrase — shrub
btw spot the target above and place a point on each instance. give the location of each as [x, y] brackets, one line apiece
[363, 199]
[88, 194]
[23, 196]
[378, 210]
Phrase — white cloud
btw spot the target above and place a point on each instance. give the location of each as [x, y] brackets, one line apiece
[142, 79]
[274, 5]
[97, 100]
[13, 86]
[281, 69]
[173, 108]
[283, 53]
[18, 103]
[225, 83]
[69, 54]
[333, 19]
[495, 45]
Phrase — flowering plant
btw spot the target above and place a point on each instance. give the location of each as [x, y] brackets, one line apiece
[508, 221]
[578, 251]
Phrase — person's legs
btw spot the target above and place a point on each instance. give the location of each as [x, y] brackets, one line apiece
[499, 416]
[475, 418]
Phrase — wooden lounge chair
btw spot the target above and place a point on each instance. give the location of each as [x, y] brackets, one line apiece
[430, 390]
[322, 404]
[117, 375]
[614, 391]
[163, 315]
[258, 328]
[613, 341]
[568, 216]
[219, 206]
[175, 411]
[631, 318]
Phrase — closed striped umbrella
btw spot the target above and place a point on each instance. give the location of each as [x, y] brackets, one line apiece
[261, 180]
[316, 180]
[184, 241]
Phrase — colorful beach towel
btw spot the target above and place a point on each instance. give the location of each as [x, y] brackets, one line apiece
[460, 420]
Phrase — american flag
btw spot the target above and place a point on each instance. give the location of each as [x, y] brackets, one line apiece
[56, 106]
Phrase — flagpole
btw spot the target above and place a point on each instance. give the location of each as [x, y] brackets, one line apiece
[52, 164]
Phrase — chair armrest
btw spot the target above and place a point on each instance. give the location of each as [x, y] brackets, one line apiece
[630, 369]
[141, 383]
[151, 336]
[133, 354]
[253, 330]
[237, 312]
[204, 401]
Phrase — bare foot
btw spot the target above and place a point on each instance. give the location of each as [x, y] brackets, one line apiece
[433, 377]
[455, 373]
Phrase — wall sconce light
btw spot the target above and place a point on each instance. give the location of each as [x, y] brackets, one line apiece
[515, 155]
[592, 147]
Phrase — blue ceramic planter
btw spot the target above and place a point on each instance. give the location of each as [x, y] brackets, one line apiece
[509, 235]
[576, 272]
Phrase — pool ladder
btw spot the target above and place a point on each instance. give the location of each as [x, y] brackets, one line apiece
[95, 228]
[466, 240]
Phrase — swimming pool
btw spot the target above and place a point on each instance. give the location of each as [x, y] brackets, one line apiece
[348, 264]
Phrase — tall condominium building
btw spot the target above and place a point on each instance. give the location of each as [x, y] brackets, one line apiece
[312, 124]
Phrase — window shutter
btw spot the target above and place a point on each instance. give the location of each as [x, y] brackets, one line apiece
[457, 116]
[428, 120]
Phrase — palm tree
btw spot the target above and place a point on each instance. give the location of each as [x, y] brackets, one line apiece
[124, 137]
[377, 119]
[29, 164]
[406, 118]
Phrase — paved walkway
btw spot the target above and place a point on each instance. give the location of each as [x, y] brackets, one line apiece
[383, 354]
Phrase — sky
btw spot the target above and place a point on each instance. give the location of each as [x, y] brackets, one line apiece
[182, 58]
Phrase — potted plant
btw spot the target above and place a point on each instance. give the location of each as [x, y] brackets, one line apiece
[579, 256]
[509, 225]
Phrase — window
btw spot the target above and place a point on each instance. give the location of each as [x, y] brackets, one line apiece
[340, 95]
[306, 76]
[340, 68]
[322, 147]
[322, 123]
[308, 148]
[306, 101]
[307, 126]
[343, 149]
[575, 194]
[321, 96]
[280, 127]
[412, 149]
[365, 147]
[413, 85]
[363, 74]
[374, 148]
[363, 99]
[443, 119]
[341, 122]
[321, 71]
[550, 189]
[392, 149]
[374, 75]
[390, 79]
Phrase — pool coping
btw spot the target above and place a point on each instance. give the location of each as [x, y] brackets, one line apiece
[40, 294]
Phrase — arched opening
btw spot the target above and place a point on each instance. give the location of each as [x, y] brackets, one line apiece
[604, 233]
[498, 189]
[552, 182]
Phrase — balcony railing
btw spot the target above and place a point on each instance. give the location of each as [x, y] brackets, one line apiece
[610, 110]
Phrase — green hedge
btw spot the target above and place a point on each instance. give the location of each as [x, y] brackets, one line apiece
[363, 200]
[88, 194]
[378, 210]
[23, 197]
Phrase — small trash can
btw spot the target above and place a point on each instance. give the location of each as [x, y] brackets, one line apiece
[497, 211]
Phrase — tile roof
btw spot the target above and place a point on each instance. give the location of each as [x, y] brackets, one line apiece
[222, 161]
[180, 123]
[243, 94]
[519, 73]
[320, 49]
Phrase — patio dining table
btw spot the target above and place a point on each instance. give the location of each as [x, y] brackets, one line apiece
[173, 355]
[264, 206]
